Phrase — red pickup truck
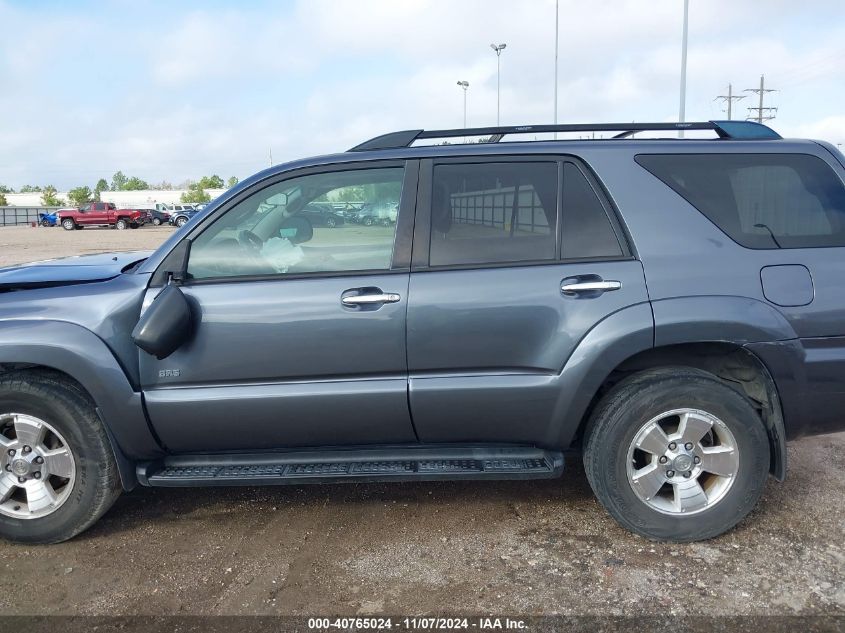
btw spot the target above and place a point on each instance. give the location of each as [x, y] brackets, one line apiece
[101, 214]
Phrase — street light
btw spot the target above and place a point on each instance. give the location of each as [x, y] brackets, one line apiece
[498, 48]
[557, 40]
[682, 109]
[464, 85]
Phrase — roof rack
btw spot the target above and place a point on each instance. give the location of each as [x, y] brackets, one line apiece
[745, 130]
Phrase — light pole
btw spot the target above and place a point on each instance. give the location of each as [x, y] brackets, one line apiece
[498, 48]
[682, 109]
[464, 85]
[557, 23]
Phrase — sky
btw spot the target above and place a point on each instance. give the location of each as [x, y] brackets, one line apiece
[180, 89]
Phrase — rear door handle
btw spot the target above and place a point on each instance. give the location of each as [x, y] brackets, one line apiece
[368, 300]
[578, 287]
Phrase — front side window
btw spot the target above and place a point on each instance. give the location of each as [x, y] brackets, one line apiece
[493, 213]
[292, 227]
[761, 201]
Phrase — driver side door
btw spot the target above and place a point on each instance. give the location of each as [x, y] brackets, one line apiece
[299, 330]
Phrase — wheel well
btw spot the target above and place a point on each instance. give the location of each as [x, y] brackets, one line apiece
[126, 468]
[732, 364]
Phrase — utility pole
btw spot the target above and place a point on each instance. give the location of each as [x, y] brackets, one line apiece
[729, 99]
[271, 156]
[762, 113]
[464, 85]
[683, 105]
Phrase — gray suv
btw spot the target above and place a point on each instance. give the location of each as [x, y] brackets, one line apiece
[671, 309]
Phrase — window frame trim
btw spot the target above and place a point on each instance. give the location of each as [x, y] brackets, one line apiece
[402, 239]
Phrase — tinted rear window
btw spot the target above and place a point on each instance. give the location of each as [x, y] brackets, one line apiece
[760, 200]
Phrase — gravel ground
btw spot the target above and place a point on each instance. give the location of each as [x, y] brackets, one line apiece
[543, 547]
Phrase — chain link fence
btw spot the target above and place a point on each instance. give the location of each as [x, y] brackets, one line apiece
[16, 216]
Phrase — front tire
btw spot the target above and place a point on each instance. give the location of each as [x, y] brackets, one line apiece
[674, 454]
[57, 471]
[121, 224]
[68, 224]
[156, 222]
[181, 221]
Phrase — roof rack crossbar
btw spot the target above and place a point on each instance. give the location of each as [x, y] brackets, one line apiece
[746, 130]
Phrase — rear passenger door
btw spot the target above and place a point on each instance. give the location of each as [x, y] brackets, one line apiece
[514, 261]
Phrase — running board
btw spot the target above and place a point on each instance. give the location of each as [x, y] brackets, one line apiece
[361, 465]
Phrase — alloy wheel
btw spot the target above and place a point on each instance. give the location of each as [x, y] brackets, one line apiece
[37, 467]
[682, 461]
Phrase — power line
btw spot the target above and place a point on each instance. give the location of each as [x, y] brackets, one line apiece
[762, 113]
[729, 99]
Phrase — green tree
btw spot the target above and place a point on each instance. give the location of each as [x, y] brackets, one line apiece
[195, 194]
[50, 197]
[231, 182]
[134, 184]
[5, 189]
[118, 180]
[80, 196]
[211, 182]
[30, 189]
[3, 201]
[101, 186]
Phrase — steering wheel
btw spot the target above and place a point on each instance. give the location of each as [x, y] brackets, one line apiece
[250, 241]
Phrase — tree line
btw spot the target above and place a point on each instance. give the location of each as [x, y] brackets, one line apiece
[79, 196]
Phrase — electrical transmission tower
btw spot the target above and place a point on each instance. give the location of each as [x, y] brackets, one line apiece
[762, 114]
[729, 99]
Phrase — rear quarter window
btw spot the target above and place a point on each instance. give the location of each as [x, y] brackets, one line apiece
[762, 201]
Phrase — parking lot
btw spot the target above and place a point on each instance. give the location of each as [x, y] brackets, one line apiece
[543, 547]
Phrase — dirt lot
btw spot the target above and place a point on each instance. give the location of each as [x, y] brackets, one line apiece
[26, 244]
[475, 548]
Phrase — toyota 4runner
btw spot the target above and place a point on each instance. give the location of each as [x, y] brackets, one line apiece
[671, 308]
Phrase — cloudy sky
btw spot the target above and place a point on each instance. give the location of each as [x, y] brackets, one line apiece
[177, 89]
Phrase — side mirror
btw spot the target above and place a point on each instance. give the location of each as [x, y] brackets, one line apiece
[166, 324]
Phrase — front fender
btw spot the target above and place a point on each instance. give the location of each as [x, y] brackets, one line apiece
[78, 352]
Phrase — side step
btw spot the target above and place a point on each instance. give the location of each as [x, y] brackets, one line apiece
[359, 465]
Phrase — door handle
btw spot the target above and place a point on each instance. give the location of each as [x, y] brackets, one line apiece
[366, 300]
[589, 286]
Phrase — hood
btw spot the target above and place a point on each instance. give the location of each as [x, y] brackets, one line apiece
[68, 270]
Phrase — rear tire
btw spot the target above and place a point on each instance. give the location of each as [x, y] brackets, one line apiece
[628, 456]
[156, 222]
[69, 415]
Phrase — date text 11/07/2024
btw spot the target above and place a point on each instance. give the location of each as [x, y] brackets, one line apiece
[418, 624]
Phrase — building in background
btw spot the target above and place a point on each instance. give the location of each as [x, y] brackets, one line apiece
[141, 199]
